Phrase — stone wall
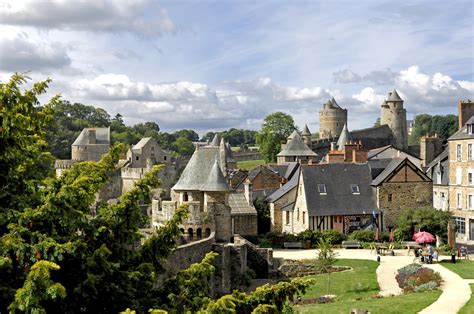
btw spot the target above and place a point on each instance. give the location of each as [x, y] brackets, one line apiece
[244, 224]
[91, 152]
[331, 121]
[397, 196]
[247, 155]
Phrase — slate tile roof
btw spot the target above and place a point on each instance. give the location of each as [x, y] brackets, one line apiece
[102, 136]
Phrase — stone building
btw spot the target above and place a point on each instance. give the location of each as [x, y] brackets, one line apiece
[395, 116]
[430, 147]
[438, 171]
[326, 197]
[400, 185]
[331, 119]
[296, 150]
[461, 179]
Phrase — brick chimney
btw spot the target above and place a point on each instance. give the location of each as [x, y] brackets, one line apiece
[465, 111]
[92, 138]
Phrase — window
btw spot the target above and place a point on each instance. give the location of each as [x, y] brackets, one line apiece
[322, 188]
[458, 200]
[287, 218]
[458, 152]
[469, 151]
[298, 214]
[460, 225]
[389, 197]
[136, 157]
[304, 217]
[469, 129]
[470, 201]
[355, 189]
[185, 197]
[469, 178]
[164, 157]
[458, 176]
[153, 148]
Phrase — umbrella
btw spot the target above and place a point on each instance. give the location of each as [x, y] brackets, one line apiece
[424, 237]
[377, 236]
[392, 235]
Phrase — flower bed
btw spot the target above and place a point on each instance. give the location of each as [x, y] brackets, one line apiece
[292, 268]
[415, 278]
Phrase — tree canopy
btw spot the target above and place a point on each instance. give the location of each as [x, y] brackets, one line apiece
[275, 130]
[444, 126]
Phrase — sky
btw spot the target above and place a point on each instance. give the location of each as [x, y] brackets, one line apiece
[215, 65]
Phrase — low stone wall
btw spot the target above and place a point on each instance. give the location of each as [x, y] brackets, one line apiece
[244, 156]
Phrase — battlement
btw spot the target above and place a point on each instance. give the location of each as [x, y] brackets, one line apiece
[64, 163]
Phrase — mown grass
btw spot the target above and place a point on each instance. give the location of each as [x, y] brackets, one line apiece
[249, 164]
[407, 303]
[468, 308]
[356, 289]
[464, 268]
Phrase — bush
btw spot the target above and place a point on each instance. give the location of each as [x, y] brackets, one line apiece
[333, 236]
[445, 249]
[426, 286]
[363, 235]
[310, 235]
[413, 277]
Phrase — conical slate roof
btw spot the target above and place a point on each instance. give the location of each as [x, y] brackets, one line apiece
[306, 130]
[292, 135]
[334, 103]
[228, 151]
[393, 96]
[296, 147]
[216, 181]
[343, 138]
[216, 140]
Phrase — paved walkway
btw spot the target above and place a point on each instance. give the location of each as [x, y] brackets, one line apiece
[456, 291]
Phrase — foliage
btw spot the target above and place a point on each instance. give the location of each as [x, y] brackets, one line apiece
[38, 287]
[184, 146]
[326, 259]
[444, 126]
[425, 219]
[235, 137]
[275, 130]
[363, 235]
[250, 164]
[333, 237]
[416, 278]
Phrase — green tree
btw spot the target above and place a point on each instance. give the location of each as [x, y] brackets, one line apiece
[425, 219]
[275, 130]
[184, 147]
[325, 260]
[444, 126]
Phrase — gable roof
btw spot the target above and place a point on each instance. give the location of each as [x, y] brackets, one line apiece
[339, 199]
[239, 205]
[198, 170]
[102, 137]
[137, 148]
[287, 187]
[296, 147]
[393, 167]
[377, 165]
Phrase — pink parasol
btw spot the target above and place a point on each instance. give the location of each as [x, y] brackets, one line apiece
[424, 237]
[392, 235]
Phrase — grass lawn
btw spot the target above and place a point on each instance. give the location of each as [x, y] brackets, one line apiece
[351, 285]
[407, 303]
[464, 268]
[468, 308]
[250, 164]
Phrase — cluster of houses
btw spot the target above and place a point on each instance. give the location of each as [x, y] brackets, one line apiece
[344, 182]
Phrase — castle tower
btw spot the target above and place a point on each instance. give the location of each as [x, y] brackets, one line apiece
[331, 119]
[395, 116]
[344, 138]
[306, 135]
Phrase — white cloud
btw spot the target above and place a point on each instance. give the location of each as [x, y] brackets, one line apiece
[369, 100]
[96, 16]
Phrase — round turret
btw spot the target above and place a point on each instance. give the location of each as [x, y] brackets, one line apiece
[332, 119]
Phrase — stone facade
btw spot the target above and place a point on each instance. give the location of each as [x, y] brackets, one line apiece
[332, 119]
[461, 186]
[430, 147]
[395, 116]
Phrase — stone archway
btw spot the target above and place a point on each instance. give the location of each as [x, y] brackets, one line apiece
[199, 233]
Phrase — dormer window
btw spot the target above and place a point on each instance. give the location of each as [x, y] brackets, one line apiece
[322, 189]
[355, 189]
[469, 129]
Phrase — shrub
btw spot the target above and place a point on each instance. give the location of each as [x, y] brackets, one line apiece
[413, 277]
[310, 235]
[426, 286]
[363, 235]
[333, 236]
[445, 249]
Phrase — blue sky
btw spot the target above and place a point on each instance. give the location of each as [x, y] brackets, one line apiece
[214, 65]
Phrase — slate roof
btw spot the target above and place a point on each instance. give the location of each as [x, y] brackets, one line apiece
[216, 141]
[228, 151]
[215, 181]
[102, 136]
[393, 96]
[377, 165]
[343, 138]
[306, 130]
[442, 156]
[394, 163]
[137, 148]
[438, 168]
[239, 205]
[296, 147]
[339, 199]
[198, 170]
[292, 135]
[376, 151]
[334, 103]
[287, 187]
[462, 133]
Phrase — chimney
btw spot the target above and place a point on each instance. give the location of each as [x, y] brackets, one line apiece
[359, 156]
[465, 111]
[248, 191]
[92, 138]
[333, 145]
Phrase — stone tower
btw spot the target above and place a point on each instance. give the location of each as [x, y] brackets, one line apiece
[331, 119]
[395, 116]
[306, 135]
